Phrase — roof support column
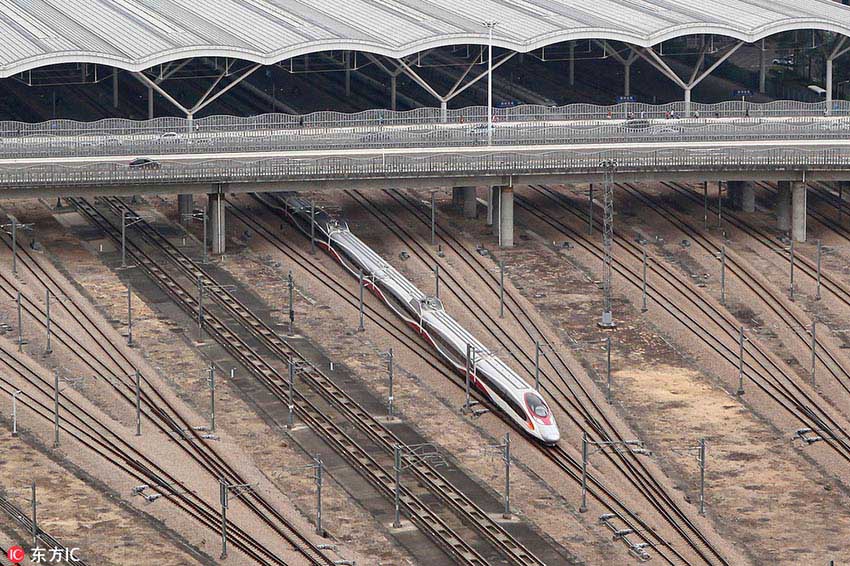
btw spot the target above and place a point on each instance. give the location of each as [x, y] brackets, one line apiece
[625, 61]
[347, 73]
[656, 61]
[204, 101]
[836, 52]
[154, 86]
[572, 63]
[115, 87]
[457, 89]
[393, 73]
[762, 68]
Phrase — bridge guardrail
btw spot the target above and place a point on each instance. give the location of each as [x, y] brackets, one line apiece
[436, 166]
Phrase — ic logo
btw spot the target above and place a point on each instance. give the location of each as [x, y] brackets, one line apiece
[16, 555]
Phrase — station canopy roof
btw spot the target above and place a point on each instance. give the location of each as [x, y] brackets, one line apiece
[138, 34]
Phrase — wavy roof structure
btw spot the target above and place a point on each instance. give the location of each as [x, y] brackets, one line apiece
[138, 34]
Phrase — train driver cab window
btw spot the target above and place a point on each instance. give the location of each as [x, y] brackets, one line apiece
[537, 406]
[337, 226]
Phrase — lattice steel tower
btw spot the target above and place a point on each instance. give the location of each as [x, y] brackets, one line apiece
[608, 169]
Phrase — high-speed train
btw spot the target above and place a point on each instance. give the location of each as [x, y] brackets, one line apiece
[489, 374]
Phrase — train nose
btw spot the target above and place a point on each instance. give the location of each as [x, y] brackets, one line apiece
[550, 434]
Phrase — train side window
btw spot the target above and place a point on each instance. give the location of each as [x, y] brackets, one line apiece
[507, 398]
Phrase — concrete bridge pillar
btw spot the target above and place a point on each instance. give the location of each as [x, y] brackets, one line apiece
[798, 211]
[490, 193]
[457, 198]
[783, 206]
[743, 196]
[216, 223]
[496, 199]
[470, 202]
[733, 193]
[748, 197]
[184, 209]
[506, 217]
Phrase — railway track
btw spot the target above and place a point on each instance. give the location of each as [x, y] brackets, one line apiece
[760, 368]
[25, 522]
[587, 416]
[821, 190]
[561, 459]
[767, 294]
[306, 409]
[802, 264]
[111, 365]
[376, 431]
[78, 424]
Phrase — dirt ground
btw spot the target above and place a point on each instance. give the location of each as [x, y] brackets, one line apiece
[80, 511]
[754, 474]
[175, 360]
[169, 345]
[665, 389]
[447, 433]
[421, 397]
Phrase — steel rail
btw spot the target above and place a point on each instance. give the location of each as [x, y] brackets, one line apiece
[377, 432]
[25, 522]
[167, 423]
[218, 470]
[767, 294]
[762, 373]
[392, 326]
[637, 473]
[805, 266]
[428, 521]
[116, 451]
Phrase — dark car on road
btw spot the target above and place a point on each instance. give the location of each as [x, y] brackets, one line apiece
[144, 163]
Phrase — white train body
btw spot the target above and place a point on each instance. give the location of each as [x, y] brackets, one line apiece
[489, 374]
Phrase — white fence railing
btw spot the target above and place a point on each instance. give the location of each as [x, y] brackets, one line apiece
[430, 136]
[370, 118]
